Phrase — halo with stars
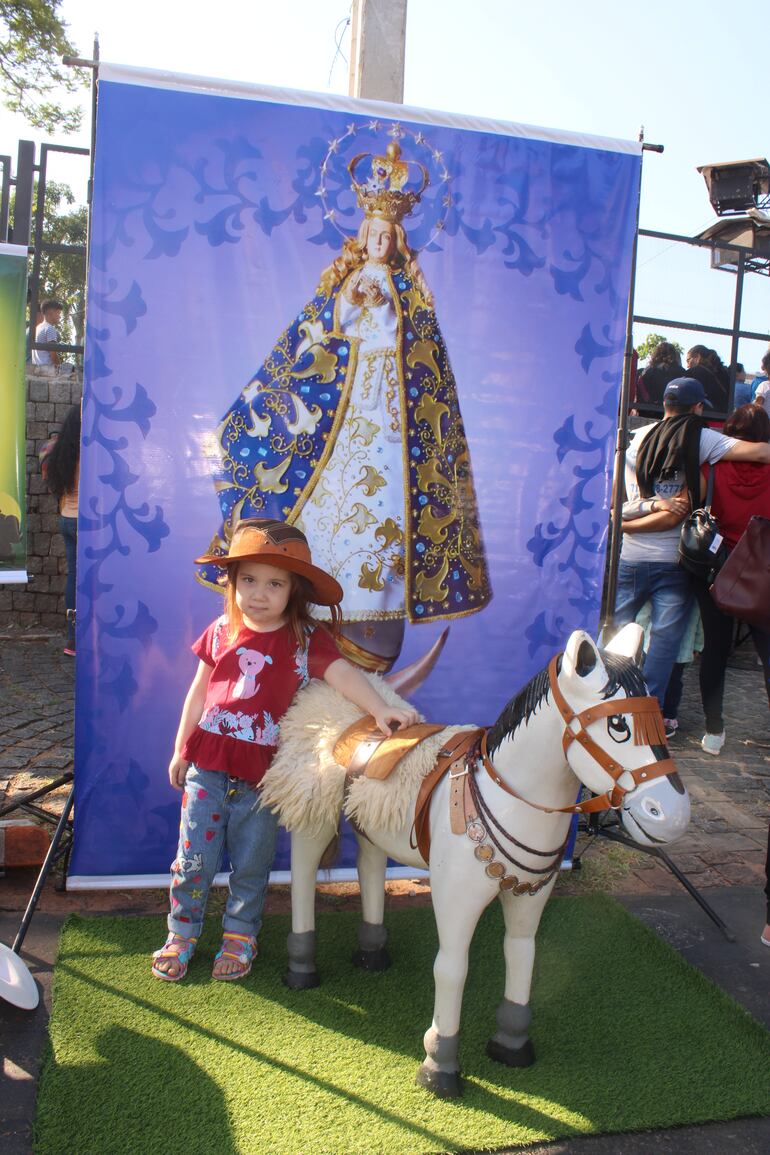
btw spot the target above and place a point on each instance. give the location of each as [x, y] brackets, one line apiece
[436, 166]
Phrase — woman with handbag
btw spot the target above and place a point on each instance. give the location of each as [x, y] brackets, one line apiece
[741, 489]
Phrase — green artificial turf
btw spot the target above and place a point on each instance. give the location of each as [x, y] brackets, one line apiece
[627, 1036]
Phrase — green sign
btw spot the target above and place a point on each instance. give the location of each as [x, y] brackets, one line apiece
[13, 411]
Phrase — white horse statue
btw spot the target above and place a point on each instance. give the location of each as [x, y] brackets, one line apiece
[497, 822]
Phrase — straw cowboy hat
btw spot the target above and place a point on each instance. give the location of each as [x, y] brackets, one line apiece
[284, 546]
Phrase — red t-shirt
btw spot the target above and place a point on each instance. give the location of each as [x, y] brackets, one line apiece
[253, 682]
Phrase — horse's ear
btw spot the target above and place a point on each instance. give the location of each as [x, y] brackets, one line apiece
[582, 658]
[628, 643]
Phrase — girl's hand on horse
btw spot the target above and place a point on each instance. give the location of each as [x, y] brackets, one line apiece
[177, 771]
[402, 718]
[351, 682]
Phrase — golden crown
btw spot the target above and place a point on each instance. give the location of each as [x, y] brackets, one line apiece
[382, 194]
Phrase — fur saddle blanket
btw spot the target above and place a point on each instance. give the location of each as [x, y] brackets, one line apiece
[305, 785]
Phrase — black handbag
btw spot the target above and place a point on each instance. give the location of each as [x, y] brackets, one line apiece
[702, 549]
[742, 588]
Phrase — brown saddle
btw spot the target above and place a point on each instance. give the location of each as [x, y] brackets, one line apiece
[362, 749]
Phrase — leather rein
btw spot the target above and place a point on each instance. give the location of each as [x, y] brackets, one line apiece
[645, 710]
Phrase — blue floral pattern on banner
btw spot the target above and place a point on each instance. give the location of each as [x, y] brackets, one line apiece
[533, 234]
[110, 523]
[560, 545]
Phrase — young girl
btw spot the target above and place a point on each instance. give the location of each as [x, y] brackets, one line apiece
[253, 660]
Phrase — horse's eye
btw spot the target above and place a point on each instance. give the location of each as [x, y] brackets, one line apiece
[618, 728]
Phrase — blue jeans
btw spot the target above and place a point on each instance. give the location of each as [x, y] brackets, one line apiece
[221, 813]
[68, 528]
[669, 589]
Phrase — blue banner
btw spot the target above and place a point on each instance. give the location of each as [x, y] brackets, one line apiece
[228, 303]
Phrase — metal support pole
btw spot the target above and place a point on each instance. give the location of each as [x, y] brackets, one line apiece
[44, 871]
[680, 876]
[621, 442]
[5, 197]
[25, 186]
[736, 329]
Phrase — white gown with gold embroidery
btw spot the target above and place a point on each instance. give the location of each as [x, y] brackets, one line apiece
[354, 517]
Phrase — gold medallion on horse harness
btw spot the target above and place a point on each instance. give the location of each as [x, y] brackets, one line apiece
[484, 853]
[508, 882]
[476, 832]
[495, 870]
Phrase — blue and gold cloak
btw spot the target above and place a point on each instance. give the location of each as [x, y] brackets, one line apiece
[277, 437]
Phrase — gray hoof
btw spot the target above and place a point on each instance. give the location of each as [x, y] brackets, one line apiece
[523, 1056]
[301, 980]
[442, 1084]
[371, 960]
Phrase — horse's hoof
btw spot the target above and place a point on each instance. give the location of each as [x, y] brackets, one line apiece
[301, 981]
[523, 1056]
[371, 960]
[442, 1084]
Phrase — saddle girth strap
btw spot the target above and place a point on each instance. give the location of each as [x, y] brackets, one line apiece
[452, 754]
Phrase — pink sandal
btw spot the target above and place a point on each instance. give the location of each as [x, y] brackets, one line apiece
[240, 949]
[179, 950]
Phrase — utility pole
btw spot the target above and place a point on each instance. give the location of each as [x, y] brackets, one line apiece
[377, 42]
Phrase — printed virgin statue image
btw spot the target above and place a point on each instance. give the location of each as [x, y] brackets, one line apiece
[351, 430]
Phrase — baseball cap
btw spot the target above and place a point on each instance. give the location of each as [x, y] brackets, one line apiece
[683, 391]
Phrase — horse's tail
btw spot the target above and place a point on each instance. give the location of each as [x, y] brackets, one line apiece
[330, 855]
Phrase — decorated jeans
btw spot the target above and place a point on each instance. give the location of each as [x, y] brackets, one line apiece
[218, 814]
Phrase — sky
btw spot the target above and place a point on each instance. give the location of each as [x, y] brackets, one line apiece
[678, 68]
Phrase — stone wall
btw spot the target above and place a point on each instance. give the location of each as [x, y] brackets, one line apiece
[40, 603]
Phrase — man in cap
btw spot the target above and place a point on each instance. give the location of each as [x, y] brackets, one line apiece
[662, 484]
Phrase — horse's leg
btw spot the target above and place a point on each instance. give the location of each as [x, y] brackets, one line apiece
[372, 935]
[306, 855]
[458, 905]
[511, 1043]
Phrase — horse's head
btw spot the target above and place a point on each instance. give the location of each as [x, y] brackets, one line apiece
[614, 739]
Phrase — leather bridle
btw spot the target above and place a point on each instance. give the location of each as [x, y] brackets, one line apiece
[645, 710]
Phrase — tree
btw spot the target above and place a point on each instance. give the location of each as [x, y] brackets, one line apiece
[651, 342]
[63, 275]
[33, 37]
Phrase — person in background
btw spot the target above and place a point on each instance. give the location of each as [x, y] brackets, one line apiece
[62, 473]
[701, 364]
[741, 489]
[662, 481]
[761, 385]
[30, 329]
[664, 365]
[48, 333]
[742, 395]
[714, 362]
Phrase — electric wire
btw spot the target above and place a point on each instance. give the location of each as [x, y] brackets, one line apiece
[338, 38]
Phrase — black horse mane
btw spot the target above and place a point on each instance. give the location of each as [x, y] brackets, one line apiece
[623, 673]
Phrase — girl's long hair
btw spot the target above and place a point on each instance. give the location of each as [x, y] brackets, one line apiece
[297, 610]
[62, 461]
[354, 255]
